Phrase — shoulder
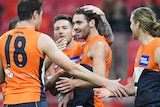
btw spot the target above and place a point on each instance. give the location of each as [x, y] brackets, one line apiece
[44, 38]
[4, 37]
[45, 42]
[5, 34]
[99, 41]
[99, 44]
[99, 47]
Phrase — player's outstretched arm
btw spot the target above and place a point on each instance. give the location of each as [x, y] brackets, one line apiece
[48, 46]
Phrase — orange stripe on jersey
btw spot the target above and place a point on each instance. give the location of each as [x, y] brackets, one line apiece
[22, 63]
[145, 55]
[86, 60]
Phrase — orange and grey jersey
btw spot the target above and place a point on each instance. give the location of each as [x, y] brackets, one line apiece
[147, 75]
[23, 64]
[87, 63]
[73, 53]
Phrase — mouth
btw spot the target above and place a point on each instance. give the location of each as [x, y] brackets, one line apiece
[61, 36]
[78, 33]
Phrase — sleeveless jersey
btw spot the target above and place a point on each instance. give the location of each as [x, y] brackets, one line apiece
[85, 60]
[91, 100]
[74, 55]
[23, 66]
[147, 76]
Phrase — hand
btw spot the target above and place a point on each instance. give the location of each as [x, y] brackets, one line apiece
[65, 100]
[94, 9]
[102, 92]
[61, 43]
[116, 88]
[65, 84]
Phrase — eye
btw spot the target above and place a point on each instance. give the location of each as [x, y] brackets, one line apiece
[56, 29]
[79, 22]
[65, 27]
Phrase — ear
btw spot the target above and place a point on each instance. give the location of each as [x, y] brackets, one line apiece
[138, 24]
[92, 23]
[35, 15]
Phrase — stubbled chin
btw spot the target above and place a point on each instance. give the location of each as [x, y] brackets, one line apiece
[77, 36]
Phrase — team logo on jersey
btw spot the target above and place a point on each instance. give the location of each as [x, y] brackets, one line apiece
[144, 60]
[8, 73]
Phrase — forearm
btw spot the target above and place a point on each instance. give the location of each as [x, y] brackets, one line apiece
[130, 89]
[84, 84]
[50, 81]
[84, 74]
[48, 62]
[106, 30]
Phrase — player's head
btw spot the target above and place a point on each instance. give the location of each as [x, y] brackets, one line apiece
[84, 21]
[30, 9]
[63, 27]
[63, 17]
[145, 19]
[13, 23]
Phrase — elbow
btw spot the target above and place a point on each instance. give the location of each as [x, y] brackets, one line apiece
[111, 40]
[72, 70]
[54, 92]
[48, 84]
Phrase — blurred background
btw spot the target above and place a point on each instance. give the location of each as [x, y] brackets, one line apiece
[117, 13]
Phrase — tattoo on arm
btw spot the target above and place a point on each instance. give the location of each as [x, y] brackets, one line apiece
[106, 29]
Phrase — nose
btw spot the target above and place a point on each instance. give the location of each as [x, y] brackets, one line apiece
[60, 30]
[75, 27]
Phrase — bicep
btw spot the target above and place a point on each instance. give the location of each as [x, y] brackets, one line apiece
[99, 58]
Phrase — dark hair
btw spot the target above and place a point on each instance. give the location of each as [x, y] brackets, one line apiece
[89, 15]
[27, 7]
[13, 23]
[63, 17]
[148, 21]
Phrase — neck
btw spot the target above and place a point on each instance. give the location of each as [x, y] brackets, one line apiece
[71, 44]
[27, 23]
[145, 38]
[93, 32]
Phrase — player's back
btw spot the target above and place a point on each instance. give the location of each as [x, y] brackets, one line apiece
[23, 66]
